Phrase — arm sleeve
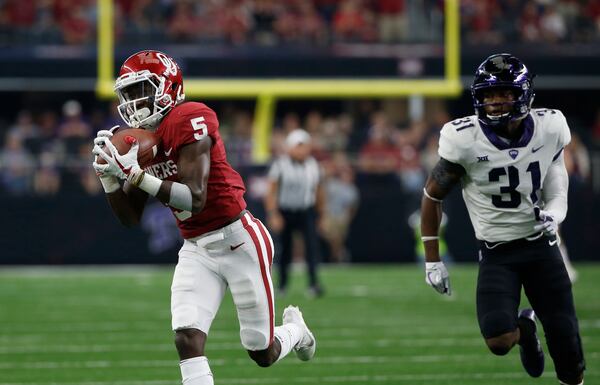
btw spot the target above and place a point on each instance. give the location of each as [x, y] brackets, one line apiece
[451, 147]
[556, 185]
[564, 134]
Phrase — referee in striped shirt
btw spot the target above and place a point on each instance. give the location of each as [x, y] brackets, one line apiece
[295, 202]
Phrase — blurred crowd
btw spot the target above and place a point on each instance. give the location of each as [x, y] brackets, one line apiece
[310, 22]
[370, 145]
[45, 151]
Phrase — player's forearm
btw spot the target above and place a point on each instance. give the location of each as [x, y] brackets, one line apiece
[555, 190]
[124, 209]
[174, 194]
[431, 216]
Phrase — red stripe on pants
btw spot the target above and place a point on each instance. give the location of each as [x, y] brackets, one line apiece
[263, 272]
[263, 232]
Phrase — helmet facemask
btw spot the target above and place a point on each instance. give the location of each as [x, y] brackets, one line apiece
[143, 102]
[519, 106]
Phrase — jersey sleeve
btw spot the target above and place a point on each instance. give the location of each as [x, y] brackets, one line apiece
[192, 125]
[452, 146]
[563, 131]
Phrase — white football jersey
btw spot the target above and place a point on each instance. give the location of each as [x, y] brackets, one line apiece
[504, 180]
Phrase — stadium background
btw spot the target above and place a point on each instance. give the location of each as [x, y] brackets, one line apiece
[382, 146]
[54, 211]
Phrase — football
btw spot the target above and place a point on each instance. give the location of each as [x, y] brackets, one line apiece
[123, 139]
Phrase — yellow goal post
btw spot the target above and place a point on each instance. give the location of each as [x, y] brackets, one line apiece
[267, 91]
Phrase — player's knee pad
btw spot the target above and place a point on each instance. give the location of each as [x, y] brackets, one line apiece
[184, 316]
[244, 293]
[254, 340]
[497, 323]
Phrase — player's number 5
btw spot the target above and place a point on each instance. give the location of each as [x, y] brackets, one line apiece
[200, 127]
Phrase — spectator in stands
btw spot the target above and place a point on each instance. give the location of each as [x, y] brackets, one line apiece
[410, 171]
[74, 130]
[379, 155]
[353, 23]
[46, 179]
[239, 140]
[22, 17]
[76, 20]
[392, 20]
[577, 161]
[235, 21]
[48, 129]
[342, 198]
[552, 25]
[312, 26]
[26, 129]
[183, 25]
[529, 23]
[290, 122]
[270, 22]
[264, 16]
[16, 166]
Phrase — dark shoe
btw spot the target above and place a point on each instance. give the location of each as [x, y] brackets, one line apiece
[532, 355]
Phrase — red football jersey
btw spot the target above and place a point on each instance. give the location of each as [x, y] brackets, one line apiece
[185, 124]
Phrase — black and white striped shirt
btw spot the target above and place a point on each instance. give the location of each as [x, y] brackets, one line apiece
[297, 182]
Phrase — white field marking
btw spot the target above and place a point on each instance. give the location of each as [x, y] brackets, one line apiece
[409, 378]
[589, 323]
[332, 360]
[64, 327]
[151, 332]
[378, 343]
[102, 271]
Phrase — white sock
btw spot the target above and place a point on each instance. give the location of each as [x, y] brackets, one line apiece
[195, 371]
[288, 335]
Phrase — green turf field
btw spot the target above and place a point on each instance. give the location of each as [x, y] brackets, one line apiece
[376, 325]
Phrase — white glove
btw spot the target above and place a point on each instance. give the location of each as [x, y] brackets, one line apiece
[437, 277]
[98, 141]
[548, 223]
[110, 183]
[116, 164]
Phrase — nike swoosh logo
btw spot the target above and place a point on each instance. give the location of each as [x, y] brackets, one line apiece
[536, 149]
[235, 247]
[167, 153]
[552, 243]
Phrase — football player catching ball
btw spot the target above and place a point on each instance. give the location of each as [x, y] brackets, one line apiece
[224, 245]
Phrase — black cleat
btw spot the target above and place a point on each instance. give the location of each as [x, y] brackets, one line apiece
[532, 355]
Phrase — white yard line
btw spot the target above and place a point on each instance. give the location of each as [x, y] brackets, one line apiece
[332, 360]
[408, 378]
[324, 344]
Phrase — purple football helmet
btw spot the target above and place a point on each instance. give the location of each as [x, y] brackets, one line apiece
[503, 71]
